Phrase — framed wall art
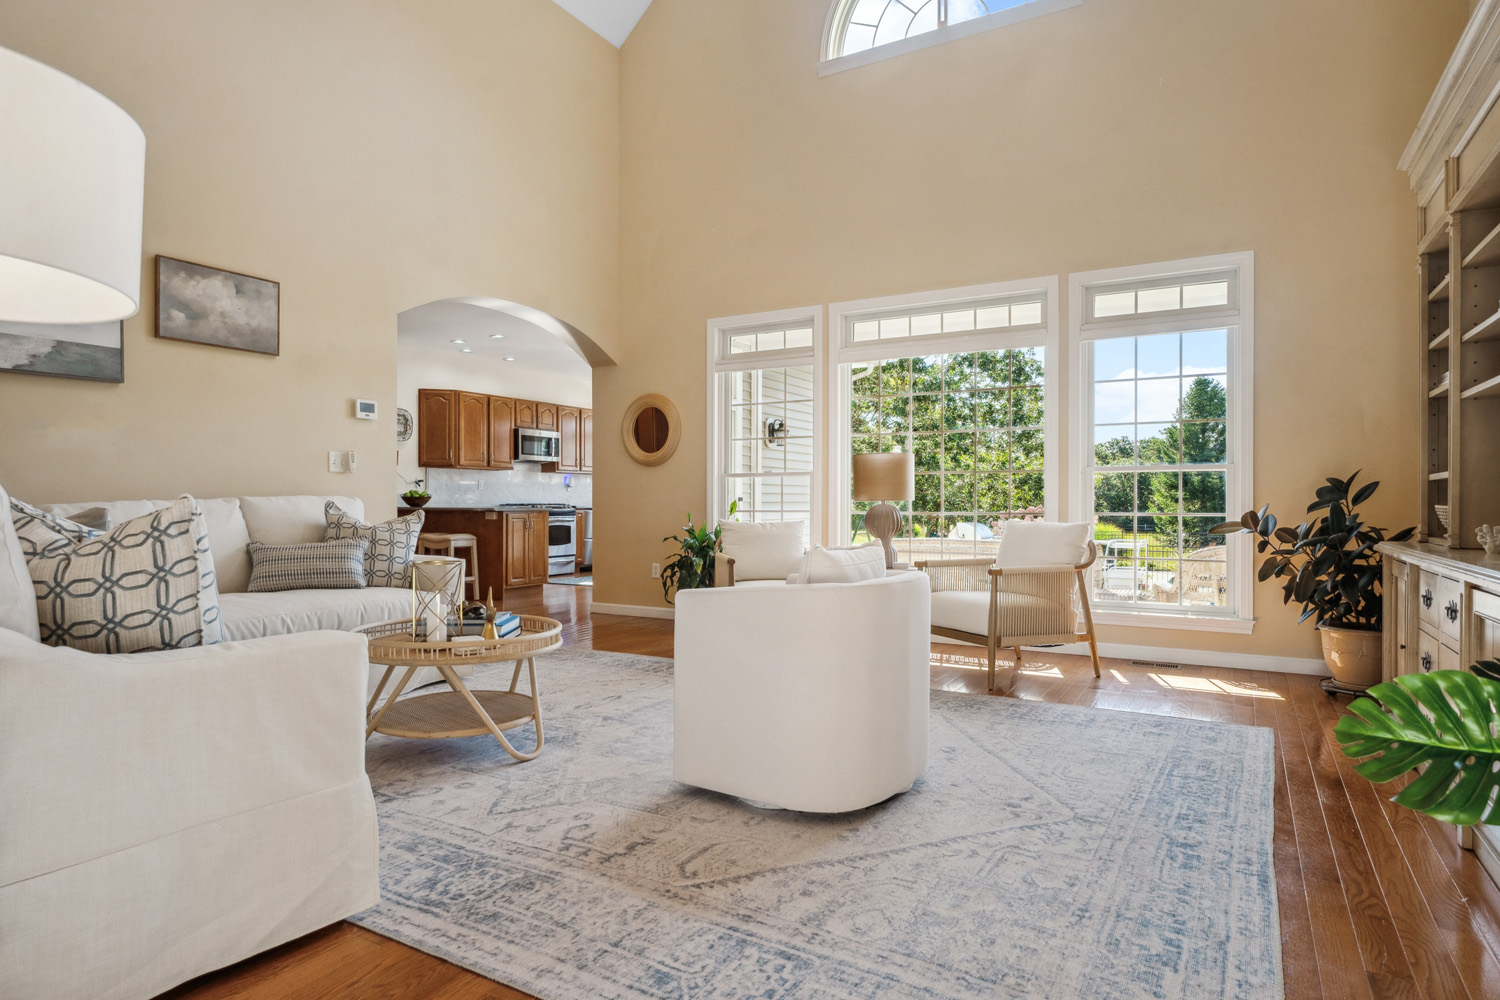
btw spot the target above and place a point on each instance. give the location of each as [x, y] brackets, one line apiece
[93, 351]
[206, 305]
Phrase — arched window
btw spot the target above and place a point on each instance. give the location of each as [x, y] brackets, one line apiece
[857, 26]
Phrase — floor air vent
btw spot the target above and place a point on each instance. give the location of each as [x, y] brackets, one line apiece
[1160, 666]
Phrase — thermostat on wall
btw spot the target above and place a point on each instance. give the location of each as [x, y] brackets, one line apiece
[365, 409]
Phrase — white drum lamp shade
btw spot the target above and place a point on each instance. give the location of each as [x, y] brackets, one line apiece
[72, 189]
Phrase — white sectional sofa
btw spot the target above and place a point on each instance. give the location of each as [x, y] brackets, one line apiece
[166, 814]
[233, 523]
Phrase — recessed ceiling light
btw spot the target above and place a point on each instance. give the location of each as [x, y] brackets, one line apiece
[458, 341]
[510, 359]
[466, 350]
[497, 336]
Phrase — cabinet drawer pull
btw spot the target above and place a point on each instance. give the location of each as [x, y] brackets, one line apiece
[1426, 598]
[1451, 611]
[1426, 663]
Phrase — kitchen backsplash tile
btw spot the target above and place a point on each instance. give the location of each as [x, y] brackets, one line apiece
[528, 484]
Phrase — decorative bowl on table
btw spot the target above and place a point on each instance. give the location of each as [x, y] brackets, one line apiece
[407, 501]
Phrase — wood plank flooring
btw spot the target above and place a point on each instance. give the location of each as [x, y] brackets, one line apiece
[1377, 903]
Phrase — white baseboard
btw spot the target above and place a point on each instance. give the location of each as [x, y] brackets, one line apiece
[1116, 650]
[632, 610]
[1193, 657]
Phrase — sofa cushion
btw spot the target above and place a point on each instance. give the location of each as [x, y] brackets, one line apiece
[770, 551]
[44, 534]
[336, 565]
[391, 543]
[1043, 543]
[17, 596]
[865, 562]
[292, 520]
[250, 616]
[969, 611]
[145, 585]
[227, 534]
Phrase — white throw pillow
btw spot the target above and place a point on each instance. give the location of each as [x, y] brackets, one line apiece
[763, 551]
[292, 520]
[1043, 543]
[867, 562]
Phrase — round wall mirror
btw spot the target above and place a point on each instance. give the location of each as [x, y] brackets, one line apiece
[652, 429]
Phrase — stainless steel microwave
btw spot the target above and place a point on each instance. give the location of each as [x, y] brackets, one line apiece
[537, 446]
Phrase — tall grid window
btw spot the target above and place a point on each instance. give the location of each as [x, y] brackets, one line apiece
[764, 421]
[770, 443]
[1161, 405]
[974, 423]
[1163, 400]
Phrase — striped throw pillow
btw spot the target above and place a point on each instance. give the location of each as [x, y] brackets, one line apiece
[337, 565]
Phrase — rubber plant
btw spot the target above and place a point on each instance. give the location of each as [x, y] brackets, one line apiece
[1328, 565]
[1443, 723]
[693, 566]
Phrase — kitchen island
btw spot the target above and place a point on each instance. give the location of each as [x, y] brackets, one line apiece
[512, 543]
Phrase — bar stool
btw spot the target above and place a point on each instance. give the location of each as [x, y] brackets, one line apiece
[441, 544]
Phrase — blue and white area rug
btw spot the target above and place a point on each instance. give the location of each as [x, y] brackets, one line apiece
[1049, 852]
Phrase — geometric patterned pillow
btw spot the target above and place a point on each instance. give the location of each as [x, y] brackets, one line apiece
[338, 565]
[42, 533]
[146, 585]
[392, 544]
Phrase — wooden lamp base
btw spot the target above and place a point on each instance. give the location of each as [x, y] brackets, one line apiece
[883, 521]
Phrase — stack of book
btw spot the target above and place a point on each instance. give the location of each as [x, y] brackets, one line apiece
[507, 623]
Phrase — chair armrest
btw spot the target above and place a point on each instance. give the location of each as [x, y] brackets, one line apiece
[956, 574]
[945, 563]
[100, 753]
[723, 570]
[1031, 570]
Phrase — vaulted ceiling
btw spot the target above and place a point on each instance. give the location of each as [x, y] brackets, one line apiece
[613, 20]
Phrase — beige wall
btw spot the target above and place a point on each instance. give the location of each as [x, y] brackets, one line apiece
[1114, 133]
[371, 156]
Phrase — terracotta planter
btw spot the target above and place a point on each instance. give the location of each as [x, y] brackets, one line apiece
[1353, 655]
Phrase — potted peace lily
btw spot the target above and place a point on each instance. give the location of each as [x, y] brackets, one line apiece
[692, 567]
[1330, 567]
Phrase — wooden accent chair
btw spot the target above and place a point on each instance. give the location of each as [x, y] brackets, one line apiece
[987, 602]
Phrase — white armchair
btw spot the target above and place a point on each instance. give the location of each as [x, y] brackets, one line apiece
[806, 697]
[1033, 594]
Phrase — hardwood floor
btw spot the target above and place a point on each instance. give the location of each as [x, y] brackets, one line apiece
[1377, 902]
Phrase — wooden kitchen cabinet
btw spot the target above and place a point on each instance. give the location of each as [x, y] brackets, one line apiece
[502, 432]
[525, 548]
[473, 431]
[585, 441]
[568, 423]
[437, 427]
[581, 559]
[546, 416]
[525, 413]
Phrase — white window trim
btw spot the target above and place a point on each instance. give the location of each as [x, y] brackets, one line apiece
[841, 316]
[831, 63]
[718, 332]
[1240, 495]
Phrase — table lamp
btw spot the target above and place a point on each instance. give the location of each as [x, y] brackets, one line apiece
[72, 189]
[885, 476]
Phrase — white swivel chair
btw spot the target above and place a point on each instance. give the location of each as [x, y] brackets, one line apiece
[810, 697]
[1033, 594]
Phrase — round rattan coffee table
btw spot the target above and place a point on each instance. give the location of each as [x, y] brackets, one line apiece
[445, 715]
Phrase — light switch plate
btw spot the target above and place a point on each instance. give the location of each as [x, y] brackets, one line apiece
[336, 461]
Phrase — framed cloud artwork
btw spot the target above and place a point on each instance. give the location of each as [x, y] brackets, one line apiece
[93, 351]
[204, 305]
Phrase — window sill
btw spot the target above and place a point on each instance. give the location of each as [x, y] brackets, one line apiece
[1182, 622]
[988, 22]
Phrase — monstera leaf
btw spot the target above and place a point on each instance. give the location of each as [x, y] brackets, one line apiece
[1444, 720]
